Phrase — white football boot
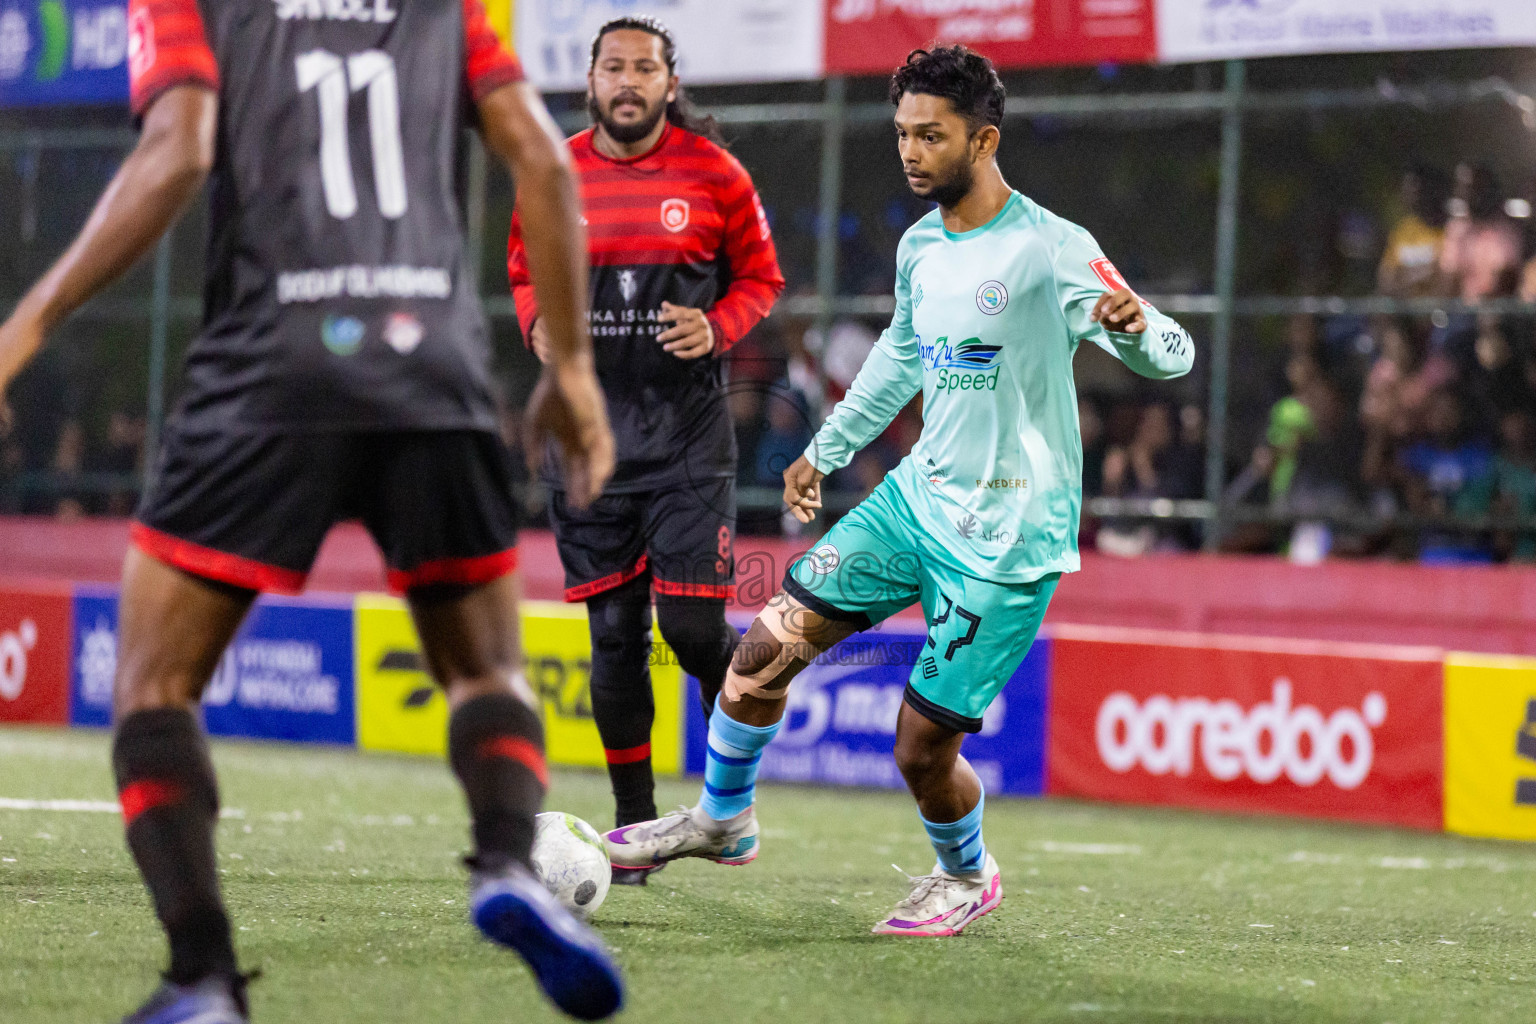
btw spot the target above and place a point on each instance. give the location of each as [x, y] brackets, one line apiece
[941, 904]
[685, 832]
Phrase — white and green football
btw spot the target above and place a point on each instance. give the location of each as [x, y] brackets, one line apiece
[571, 861]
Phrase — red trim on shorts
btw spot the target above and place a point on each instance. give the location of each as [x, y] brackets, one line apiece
[726, 591]
[628, 755]
[464, 572]
[146, 795]
[516, 748]
[214, 565]
[617, 579]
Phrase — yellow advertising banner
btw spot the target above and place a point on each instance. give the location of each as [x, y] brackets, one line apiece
[399, 708]
[1490, 746]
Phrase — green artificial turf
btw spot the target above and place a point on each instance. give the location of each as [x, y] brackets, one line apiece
[343, 879]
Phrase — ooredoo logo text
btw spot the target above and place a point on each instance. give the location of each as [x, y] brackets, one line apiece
[14, 647]
[1274, 738]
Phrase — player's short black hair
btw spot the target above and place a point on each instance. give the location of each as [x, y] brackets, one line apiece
[958, 74]
[680, 111]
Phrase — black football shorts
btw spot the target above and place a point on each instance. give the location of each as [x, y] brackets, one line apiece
[681, 536]
[251, 509]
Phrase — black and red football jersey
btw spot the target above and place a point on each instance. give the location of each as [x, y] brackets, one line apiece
[339, 293]
[681, 223]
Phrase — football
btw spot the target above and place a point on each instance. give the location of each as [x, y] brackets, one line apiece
[571, 861]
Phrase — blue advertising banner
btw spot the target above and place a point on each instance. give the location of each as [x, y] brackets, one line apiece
[287, 675]
[840, 727]
[93, 656]
[63, 52]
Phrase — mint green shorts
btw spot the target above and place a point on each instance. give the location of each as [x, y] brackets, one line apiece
[872, 564]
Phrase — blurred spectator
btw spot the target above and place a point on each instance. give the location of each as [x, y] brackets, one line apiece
[1482, 247]
[1508, 486]
[121, 456]
[1437, 470]
[68, 464]
[1494, 383]
[1410, 266]
[1156, 464]
[1091, 425]
[785, 438]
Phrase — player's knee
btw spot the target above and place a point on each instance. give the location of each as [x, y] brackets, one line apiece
[920, 761]
[762, 665]
[696, 630]
[620, 624]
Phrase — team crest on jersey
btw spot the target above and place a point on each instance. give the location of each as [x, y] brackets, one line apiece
[628, 286]
[824, 559]
[991, 297]
[403, 332]
[674, 214]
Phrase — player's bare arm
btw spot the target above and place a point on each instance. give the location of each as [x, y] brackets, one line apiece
[690, 336]
[1119, 311]
[567, 403]
[802, 489]
[157, 181]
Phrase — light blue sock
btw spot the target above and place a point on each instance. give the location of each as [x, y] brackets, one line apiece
[958, 844]
[730, 771]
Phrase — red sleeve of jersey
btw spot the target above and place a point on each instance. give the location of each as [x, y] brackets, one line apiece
[166, 47]
[522, 283]
[487, 63]
[755, 277]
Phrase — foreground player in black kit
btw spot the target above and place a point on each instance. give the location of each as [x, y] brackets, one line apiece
[342, 372]
[683, 266]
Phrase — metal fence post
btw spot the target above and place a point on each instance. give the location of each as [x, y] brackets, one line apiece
[1226, 289]
[159, 337]
[833, 111]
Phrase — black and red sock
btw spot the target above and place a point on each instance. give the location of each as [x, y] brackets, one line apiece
[496, 747]
[170, 799]
[622, 702]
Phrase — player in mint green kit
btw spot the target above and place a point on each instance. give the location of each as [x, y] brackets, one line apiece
[993, 297]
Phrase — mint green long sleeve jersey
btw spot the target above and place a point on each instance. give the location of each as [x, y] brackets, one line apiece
[986, 325]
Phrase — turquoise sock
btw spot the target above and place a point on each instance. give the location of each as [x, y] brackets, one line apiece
[959, 844]
[730, 771]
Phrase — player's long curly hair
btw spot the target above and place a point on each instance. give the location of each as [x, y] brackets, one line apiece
[955, 73]
[681, 110]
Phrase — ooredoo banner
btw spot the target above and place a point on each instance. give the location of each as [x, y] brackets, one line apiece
[34, 655]
[1191, 30]
[840, 724]
[1342, 731]
[874, 36]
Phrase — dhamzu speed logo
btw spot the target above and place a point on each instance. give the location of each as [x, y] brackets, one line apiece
[1268, 740]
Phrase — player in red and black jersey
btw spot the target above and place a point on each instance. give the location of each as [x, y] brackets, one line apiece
[682, 267]
[342, 371]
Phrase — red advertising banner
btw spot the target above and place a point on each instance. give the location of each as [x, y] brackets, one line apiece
[872, 36]
[34, 655]
[1346, 731]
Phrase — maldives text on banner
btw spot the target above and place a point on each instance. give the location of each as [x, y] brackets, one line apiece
[840, 725]
[1194, 30]
[1324, 730]
[1490, 746]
